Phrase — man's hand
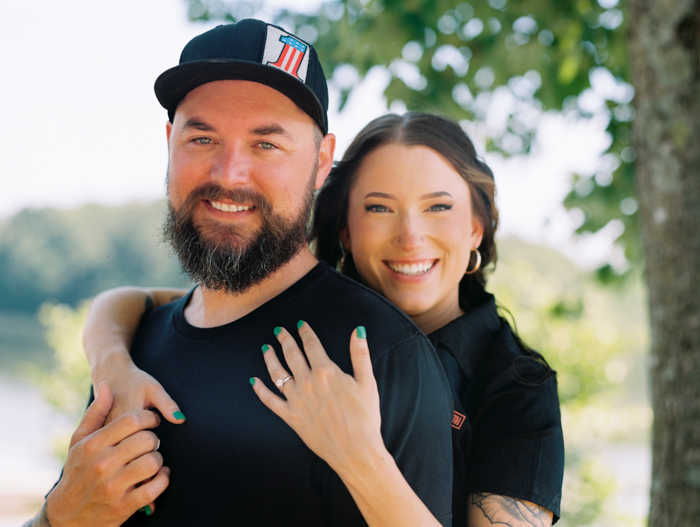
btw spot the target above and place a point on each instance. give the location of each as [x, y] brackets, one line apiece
[111, 471]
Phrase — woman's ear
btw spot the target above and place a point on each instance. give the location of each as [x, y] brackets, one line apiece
[345, 239]
[477, 233]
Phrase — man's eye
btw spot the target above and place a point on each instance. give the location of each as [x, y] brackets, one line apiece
[267, 146]
[376, 208]
[438, 208]
[203, 140]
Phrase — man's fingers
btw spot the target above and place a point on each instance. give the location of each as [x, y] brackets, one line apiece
[361, 360]
[139, 471]
[129, 424]
[95, 415]
[135, 446]
[144, 495]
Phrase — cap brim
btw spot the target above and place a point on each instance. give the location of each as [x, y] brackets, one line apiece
[174, 84]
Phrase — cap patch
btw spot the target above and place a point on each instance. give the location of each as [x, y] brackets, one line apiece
[285, 52]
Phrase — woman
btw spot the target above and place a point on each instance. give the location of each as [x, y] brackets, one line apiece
[410, 212]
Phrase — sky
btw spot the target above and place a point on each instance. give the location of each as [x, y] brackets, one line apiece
[80, 122]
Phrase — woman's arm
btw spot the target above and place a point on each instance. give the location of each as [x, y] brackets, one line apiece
[338, 417]
[485, 510]
[110, 327]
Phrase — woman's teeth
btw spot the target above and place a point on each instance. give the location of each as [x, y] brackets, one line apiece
[229, 208]
[411, 269]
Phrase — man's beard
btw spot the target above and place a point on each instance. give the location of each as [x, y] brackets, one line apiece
[223, 257]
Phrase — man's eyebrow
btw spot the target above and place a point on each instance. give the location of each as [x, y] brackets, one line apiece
[196, 124]
[271, 129]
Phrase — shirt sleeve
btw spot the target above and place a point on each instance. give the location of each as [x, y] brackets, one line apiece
[417, 408]
[517, 446]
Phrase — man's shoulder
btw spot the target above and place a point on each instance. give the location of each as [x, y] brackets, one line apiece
[345, 294]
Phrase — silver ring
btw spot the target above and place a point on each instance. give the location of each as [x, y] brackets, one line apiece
[280, 382]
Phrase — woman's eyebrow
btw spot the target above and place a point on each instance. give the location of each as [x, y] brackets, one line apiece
[380, 195]
[438, 194]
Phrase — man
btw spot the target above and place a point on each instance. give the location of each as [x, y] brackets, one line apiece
[248, 144]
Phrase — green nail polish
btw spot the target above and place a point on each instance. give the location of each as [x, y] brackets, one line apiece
[277, 330]
[265, 347]
[299, 324]
[147, 510]
[141, 509]
[251, 381]
[179, 415]
[361, 332]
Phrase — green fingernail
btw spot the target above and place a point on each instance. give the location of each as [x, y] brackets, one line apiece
[265, 348]
[251, 381]
[299, 324]
[141, 509]
[179, 415]
[361, 332]
[277, 330]
[147, 510]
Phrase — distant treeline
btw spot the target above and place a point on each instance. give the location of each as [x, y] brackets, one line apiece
[65, 256]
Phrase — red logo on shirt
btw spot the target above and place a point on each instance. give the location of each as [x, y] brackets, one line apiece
[458, 420]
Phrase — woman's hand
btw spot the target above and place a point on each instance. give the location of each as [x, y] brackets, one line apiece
[337, 415]
[134, 389]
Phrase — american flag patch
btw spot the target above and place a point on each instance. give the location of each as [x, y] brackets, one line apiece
[286, 53]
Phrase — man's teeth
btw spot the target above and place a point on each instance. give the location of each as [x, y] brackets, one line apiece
[229, 208]
[411, 269]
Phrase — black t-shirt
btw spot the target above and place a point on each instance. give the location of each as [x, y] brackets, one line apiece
[507, 435]
[234, 462]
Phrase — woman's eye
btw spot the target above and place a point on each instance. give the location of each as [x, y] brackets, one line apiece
[203, 140]
[376, 208]
[438, 208]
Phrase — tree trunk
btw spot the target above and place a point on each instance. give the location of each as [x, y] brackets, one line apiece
[664, 51]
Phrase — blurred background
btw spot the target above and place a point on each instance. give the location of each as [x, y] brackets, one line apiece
[540, 86]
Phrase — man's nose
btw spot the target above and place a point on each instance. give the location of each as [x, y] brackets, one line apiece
[410, 232]
[232, 167]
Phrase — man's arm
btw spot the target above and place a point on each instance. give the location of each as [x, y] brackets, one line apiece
[40, 520]
[111, 471]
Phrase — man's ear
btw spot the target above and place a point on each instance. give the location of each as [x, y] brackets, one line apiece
[325, 159]
[168, 130]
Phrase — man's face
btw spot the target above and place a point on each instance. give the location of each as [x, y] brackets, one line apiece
[244, 161]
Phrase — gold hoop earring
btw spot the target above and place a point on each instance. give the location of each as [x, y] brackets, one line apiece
[476, 265]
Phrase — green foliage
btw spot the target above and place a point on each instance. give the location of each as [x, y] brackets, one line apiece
[595, 338]
[67, 384]
[461, 58]
[68, 255]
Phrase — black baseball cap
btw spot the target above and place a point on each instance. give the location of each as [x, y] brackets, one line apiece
[249, 50]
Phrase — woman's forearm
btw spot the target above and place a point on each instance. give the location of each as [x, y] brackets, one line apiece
[382, 494]
[112, 320]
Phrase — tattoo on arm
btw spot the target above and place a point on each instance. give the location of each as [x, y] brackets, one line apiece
[41, 520]
[511, 512]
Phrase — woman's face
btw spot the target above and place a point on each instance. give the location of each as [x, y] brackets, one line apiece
[411, 230]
